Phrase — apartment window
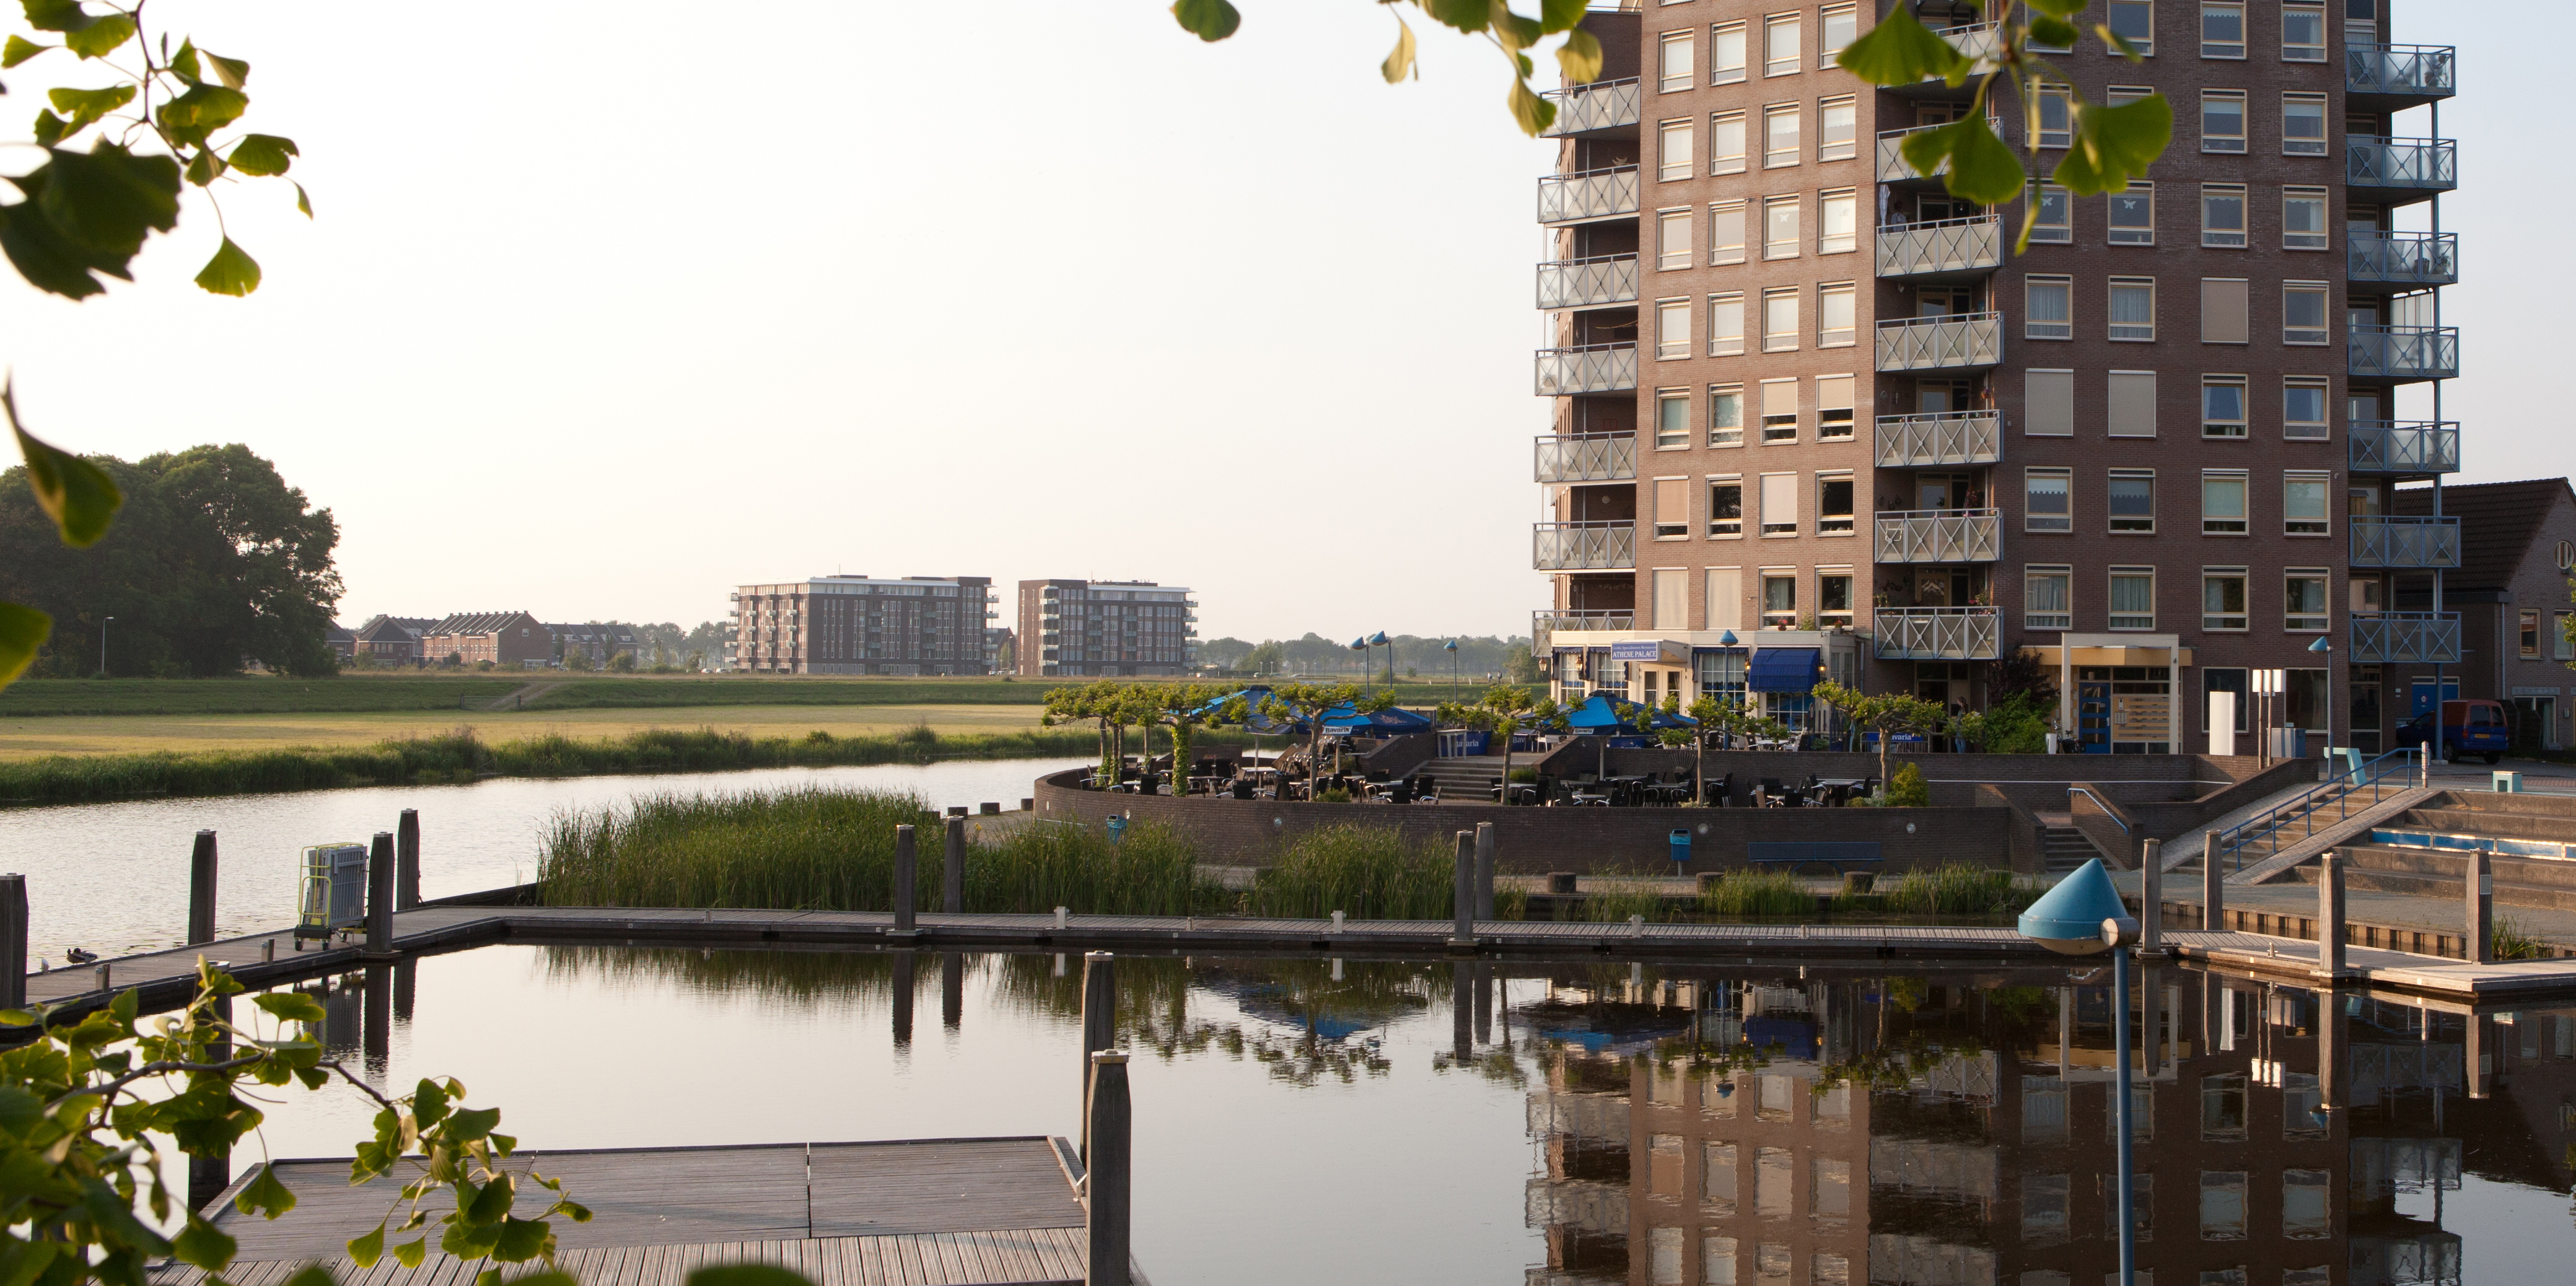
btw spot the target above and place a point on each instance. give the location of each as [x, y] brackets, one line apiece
[2305, 1196]
[1834, 407]
[2224, 311]
[1672, 512]
[1779, 612]
[2222, 215]
[1837, 222]
[1725, 416]
[1672, 328]
[2303, 601]
[2222, 598]
[2222, 406]
[2363, 596]
[1726, 324]
[2303, 31]
[2303, 312]
[2303, 409]
[1779, 136]
[2048, 404]
[1673, 150]
[2133, 215]
[2048, 598]
[1779, 513]
[2303, 219]
[1725, 511]
[1779, 411]
[1675, 64]
[1672, 418]
[2133, 309]
[2047, 500]
[2133, 598]
[2048, 310]
[1780, 44]
[1726, 232]
[1726, 53]
[2563, 648]
[2055, 222]
[1833, 607]
[2222, 120]
[1837, 26]
[1726, 143]
[1780, 319]
[2123, 95]
[2134, 21]
[2528, 632]
[1673, 240]
[2132, 404]
[2222, 29]
[2303, 503]
[1834, 508]
[2222, 502]
[2133, 501]
[2303, 124]
[2056, 117]
[1837, 129]
[1836, 307]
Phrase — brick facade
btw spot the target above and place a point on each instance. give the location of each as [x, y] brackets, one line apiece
[1105, 629]
[858, 625]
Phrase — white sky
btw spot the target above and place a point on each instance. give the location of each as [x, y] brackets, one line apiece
[612, 307]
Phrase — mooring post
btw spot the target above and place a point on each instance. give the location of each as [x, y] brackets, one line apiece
[2213, 886]
[2330, 903]
[201, 890]
[903, 965]
[952, 897]
[2151, 899]
[1108, 1170]
[903, 888]
[1462, 1017]
[208, 1176]
[1462, 899]
[13, 941]
[1484, 870]
[380, 895]
[2479, 884]
[407, 859]
[952, 990]
[376, 1025]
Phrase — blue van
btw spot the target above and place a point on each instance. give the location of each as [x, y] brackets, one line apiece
[2468, 728]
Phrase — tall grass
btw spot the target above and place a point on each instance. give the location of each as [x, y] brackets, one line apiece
[1752, 892]
[1366, 872]
[1152, 870]
[804, 849]
[1956, 890]
[2508, 940]
[1611, 899]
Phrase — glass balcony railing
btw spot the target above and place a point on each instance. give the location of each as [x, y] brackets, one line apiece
[1587, 109]
[1965, 341]
[1940, 536]
[1583, 546]
[1590, 368]
[1587, 457]
[2405, 542]
[1949, 248]
[1592, 194]
[1588, 283]
[2403, 352]
[2416, 73]
[2404, 258]
[2388, 446]
[1934, 634]
[1546, 623]
[1947, 437]
[2402, 638]
[2407, 164]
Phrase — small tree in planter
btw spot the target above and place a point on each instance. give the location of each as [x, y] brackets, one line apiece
[1309, 703]
[1887, 714]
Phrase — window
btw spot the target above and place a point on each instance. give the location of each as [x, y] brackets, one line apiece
[2055, 223]
[2048, 598]
[1779, 136]
[2056, 118]
[1672, 515]
[2048, 404]
[2143, 1207]
[2222, 29]
[2529, 632]
[1779, 227]
[2133, 501]
[1780, 319]
[2222, 502]
[2303, 1205]
[2123, 95]
[2303, 600]
[1726, 325]
[2222, 120]
[2047, 500]
[2303, 31]
[1725, 511]
[2135, 22]
[2303, 503]
[2302, 1101]
[1779, 612]
[1726, 232]
[1673, 150]
[1779, 515]
[1672, 329]
[1837, 129]
[2303, 409]
[1675, 64]
[1726, 53]
[2222, 215]
[1780, 44]
[2222, 598]
[1722, 673]
[2043, 1208]
[2133, 308]
[1779, 411]
[2132, 404]
[1835, 306]
[2222, 1204]
[2133, 598]
[1726, 143]
[2224, 311]
[2303, 124]
[1725, 416]
[1718, 1254]
[2563, 648]
[1834, 515]
[1834, 401]
[1837, 222]
[2303, 312]
[2222, 406]
[2303, 219]
[1837, 26]
[1672, 418]
[2133, 215]
[1673, 240]
[2048, 310]
[2363, 597]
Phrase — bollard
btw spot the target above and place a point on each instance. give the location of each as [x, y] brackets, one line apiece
[903, 986]
[406, 989]
[13, 941]
[407, 860]
[105, 982]
[1337, 921]
[903, 868]
[2213, 886]
[2151, 1023]
[2151, 899]
[952, 990]
[2478, 882]
[201, 890]
[380, 895]
[1462, 894]
[952, 884]
[2330, 922]
[1484, 870]
[1109, 1124]
[1099, 1022]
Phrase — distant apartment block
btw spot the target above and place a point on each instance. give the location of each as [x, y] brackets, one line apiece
[861, 625]
[1106, 628]
[502, 638]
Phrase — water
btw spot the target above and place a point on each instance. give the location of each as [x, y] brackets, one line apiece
[114, 877]
[1571, 1124]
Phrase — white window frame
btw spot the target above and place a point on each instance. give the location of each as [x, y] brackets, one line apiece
[1847, 200]
[2219, 621]
[2112, 519]
[1777, 530]
[1828, 335]
[1665, 45]
[1781, 430]
[1672, 316]
[1772, 27]
[1667, 169]
[1777, 247]
[1665, 399]
[1829, 148]
[1775, 157]
[1721, 396]
[2032, 327]
[2062, 100]
[1657, 526]
[2315, 53]
[1720, 342]
[2305, 337]
[1718, 73]
[2223, 144]
[2116, 9]
[2217, 238]
[2113, 576]
[2323, 237]
[2137, 334]
[2223, 50]
[1668, 259]
[2243, 424]
[2323, 618]
[1850, 520]
[1725, 528]
[2295, 146]
[1728, 163]
[2323, 524]
[2316, 430]
[1784, 340]
[1826, 16]
[2058, 524]
[2217, 525]
[1843, 427]
[1718, 251]
[2115, 234]
[2035, 617]
[2062, 231]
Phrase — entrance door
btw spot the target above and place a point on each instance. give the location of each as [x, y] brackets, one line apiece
[2093, 715]
[2531, 722]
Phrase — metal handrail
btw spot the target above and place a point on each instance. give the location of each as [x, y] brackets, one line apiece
[2104, 804]
[2387, 446]
[2304, 806]
[1885, 514]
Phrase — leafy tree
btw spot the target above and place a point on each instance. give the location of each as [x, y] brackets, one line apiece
[1522, 667]
[1102, 702]
[1265, 658]
[2018, 673]
[1887, 714]
[1308, 703]
[622, 663]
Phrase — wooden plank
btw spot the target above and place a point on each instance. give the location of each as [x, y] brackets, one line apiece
[879, 1189]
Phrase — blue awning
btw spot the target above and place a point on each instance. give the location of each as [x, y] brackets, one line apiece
[1593, 716]
[1783, 669]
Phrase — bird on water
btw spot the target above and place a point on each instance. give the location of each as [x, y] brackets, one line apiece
[79, 956]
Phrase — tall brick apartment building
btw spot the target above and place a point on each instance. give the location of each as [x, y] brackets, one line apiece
[860, 625]
[1807, 399]
[1106, 628]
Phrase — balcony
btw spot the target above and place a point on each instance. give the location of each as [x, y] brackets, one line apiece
[1944, 438]
[1940, 536]
[1591, 368]
[2399, 169]
[1597, 108]
[1588, 457]
[2407, 259]
[1948, 250]
[1593, 194]
[2401, 638]
[2388, 446]
[1545, 623]
[2403, 352]
[1583, 546]
[1933, 634]
[1588, 283]
[1892, 165]
[2411, 543]
[2395, 77]
[1966, 342]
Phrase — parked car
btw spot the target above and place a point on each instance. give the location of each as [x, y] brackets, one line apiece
[2468, 728]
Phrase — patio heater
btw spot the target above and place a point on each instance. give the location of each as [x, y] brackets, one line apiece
[2083, 916]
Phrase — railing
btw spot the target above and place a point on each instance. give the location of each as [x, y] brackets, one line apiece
[1543, 624]
[1583, 283]
[1934, 633]
[2348, 792]
[2389, 446]
[2408, 71]
[2404, 352]
[2406, 638]
[1975, 40]
[1945, 437]
[1587, 457]
[2428, 163]
[1940, 536]
[1583, 546]
[1940, 343]
[1892, 165]
[1949, 246]
[2404, 258]
[1603, 104]
[2405, 542]
[2108, 813]
[1591, 194]
[1591, 368]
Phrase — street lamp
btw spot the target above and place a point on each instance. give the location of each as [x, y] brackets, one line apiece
[2324, 646]
[1451, 647]
[1379, 639]
[102, 645]
[2083, 916]
[1366, 679]
[1726, 639]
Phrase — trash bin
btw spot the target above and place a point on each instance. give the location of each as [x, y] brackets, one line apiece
[1679, 839]
[1117, 828]
[333, 893]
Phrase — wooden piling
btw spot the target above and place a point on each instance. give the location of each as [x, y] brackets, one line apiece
[1108, 1171]
[407, 860]
[380, 895]
[1099, 1019]
[952, 990]
[903, 873]
[952, 896]
[2213, 885]
[13, 941]
[903, 987]
[2330, 916]
[201, 890]
[209, 1175]
[2478, 883]
[1462, 900]
[2151, 898]
[1484, 870]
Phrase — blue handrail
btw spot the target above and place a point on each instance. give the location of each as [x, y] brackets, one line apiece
[2304, 806]
[2073, 791]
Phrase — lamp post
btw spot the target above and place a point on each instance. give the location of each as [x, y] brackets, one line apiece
[102, 645]
[2326, 646]
[1380, 639]
[2083, 916]
[1726, 640]
[1451, 647]
[1366, 679]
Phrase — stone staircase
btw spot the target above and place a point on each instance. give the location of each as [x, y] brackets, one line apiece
[2064, 848]
[1470, 779]
[2540, 882]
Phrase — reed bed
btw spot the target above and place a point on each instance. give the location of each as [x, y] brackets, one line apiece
[1952, 890]
[797, 849]
[1611, 899]
[1368, 873]
[1151, 870]
[1756, 893]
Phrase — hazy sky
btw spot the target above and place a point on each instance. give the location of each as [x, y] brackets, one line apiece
[611, 307]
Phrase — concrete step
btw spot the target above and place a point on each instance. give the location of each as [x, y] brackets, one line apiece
[2417, 873]
[2523, 805]
[2538, 871]
[2498, 823]
[2064, 848]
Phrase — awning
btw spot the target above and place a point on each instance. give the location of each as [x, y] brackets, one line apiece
[1783, 669]
[1593, 715]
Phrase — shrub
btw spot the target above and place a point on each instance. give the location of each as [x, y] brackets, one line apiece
[1907, 790]
[2017, 725]
[1756, 893]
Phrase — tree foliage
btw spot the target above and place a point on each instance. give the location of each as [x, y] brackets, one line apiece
[1886, 713]
[1515, 35]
